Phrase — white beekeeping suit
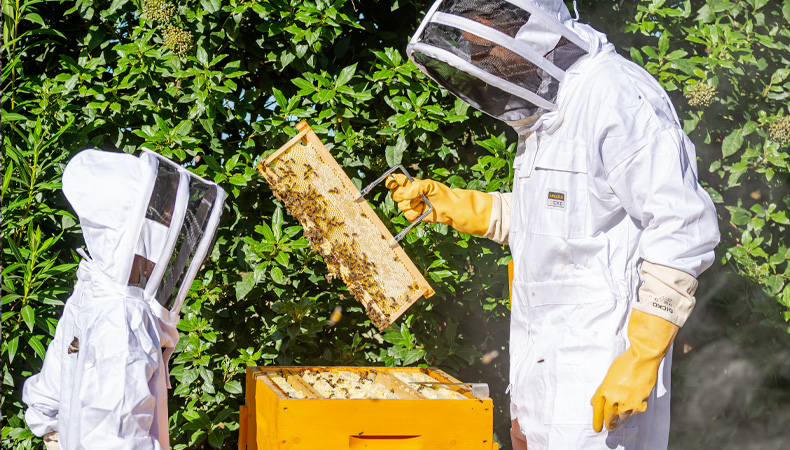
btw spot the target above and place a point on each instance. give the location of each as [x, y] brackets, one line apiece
[148, 225]
[607, 224]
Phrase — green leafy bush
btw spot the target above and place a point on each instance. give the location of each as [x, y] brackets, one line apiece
[215, 85]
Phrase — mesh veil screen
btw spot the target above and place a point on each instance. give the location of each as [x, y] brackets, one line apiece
[160, 210]
[501, 15]
[163, 198]
[492, 58]
[565, 54]
[483, 96]
[200, 204]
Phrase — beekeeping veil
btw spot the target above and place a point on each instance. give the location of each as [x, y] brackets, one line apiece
[148, 224]
[505, 58]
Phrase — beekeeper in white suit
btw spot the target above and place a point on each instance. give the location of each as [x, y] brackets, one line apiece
[607, 224]
[148, 225]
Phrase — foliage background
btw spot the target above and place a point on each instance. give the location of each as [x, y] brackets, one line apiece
[215, 84]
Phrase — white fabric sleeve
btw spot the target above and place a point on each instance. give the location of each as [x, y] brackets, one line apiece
[666, 292]
[499, 227]
[658, 188]
[41, 392]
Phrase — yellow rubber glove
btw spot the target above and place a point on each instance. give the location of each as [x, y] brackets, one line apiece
[466, 211]
[632, 375]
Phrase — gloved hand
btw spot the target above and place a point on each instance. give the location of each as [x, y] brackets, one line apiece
[465, 210]
[632, 375]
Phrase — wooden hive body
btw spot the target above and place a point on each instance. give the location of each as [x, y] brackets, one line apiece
[272, 419]
[353, 241]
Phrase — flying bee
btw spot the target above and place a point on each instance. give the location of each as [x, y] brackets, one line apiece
[337, 313]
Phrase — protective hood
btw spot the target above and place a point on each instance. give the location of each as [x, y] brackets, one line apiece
[505, 58]
[148, 223]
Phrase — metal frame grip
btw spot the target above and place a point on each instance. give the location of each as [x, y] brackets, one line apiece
[365, 191]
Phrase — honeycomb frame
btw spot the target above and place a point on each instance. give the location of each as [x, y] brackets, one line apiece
[355, 244]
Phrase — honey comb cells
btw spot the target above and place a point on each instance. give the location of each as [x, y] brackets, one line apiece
[353, 242]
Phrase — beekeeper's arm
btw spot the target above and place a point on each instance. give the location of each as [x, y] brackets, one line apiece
[41, 392]
[657, 186]
[465, 210]
[473, 212]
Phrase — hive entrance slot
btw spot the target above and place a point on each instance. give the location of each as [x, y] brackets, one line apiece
[385, 442]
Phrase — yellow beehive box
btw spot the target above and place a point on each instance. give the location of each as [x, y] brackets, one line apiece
[381, 408]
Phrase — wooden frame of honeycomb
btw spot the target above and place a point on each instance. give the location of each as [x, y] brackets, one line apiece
[347, 233]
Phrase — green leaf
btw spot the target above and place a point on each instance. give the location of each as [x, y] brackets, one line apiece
[244, 286]
[277, 275]
[277, 223]
[677, 54]
[115, 5]
[775, 283]
[663, 43]
[286, 58]
[412, 356]
[216, 438]
[10, 117]
[325, 95]
[780, 75]
[189, 376]
[233, 387]
[759, 4]
[650, 52]
[346, 74]
[264, 229]
[282, 258]
[303, 85]
[394, 153]
[161, 123]
[732, 143]
[211, 6]
[279, 98]
[29, 316]
[37, 346]
[780, 217]
[238, 180]
[191, 415]
[714, 195]
[35, 18]
[183, 128]
[202, 54]
[11, 347]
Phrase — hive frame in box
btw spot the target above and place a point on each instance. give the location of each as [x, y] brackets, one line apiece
[421, 287]
[271, 419]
